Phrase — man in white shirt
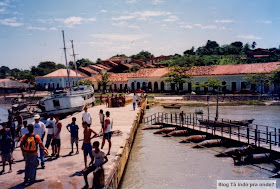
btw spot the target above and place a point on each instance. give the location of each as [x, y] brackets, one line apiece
[135, 100]
[87, 117]
[40, 129]
[50, 123]
[107, 131]
[24, 129]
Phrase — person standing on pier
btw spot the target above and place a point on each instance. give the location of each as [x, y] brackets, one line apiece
[40, 129]
[24, 129]
[56, 136]
[87, 117]
[74, 130]
[102, 119]
[135, 100]
[107, 131]
[50, 123]
[87, 148]
[29, 147]
[6, 146]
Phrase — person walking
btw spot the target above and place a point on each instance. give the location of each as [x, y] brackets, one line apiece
[6, 146]
[56, 143]
[87, 148]
[135, 100]
[40, 129]
[29, 146]
[87, 117]
[74, 130]
[107, 131]
[50, 123]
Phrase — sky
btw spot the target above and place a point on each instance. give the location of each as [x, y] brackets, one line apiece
[30, 30]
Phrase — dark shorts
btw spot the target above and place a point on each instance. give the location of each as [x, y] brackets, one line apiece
[6, 157]
[74, 140]
[87, 148]
[108, 135]
[56, 142]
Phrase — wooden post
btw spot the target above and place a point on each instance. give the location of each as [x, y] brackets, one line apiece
[171, 118]
[256, 136]
[275, 141]
[248, 135]
[266, 134]
[230, 131]
[238, 128]
[259, 141]
[176, 118]
[193, 122]
[270, 140]
[278, 137]
[222, 131]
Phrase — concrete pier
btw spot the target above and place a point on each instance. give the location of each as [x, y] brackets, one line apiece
[65, 172]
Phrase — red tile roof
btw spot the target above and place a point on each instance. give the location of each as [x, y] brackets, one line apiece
[89, 70]
[234, 69]
[60, 73]
[119, 77]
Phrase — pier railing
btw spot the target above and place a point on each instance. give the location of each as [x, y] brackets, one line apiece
[259, 135]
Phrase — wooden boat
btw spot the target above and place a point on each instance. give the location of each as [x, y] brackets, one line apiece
[212, 123]
[174, 106]
[198, 111]
[244, 122]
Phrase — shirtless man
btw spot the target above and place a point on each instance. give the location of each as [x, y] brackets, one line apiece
[87, 148]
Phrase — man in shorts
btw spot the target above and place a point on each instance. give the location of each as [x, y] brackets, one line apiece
[87, 148]
[56, 136]
[74, 130]
[99, 159]
[87, 117]
[102, 119]
[6, 145]
[107, 131]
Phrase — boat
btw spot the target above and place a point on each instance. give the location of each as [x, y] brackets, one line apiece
[244, 122]
[174, 106]
[73, 100]
[198, 111]
[70, 100]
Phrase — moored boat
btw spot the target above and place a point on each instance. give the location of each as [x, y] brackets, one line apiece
[174, 106]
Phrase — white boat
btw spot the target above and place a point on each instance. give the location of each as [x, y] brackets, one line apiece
[72, 100]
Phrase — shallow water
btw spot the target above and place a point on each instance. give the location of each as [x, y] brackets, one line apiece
[160, 162]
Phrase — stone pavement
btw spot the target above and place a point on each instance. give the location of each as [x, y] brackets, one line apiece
[64, 172]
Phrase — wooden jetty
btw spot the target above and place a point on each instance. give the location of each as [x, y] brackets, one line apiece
[261, 136]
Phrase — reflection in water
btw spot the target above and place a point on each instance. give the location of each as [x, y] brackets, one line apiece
[160, 162]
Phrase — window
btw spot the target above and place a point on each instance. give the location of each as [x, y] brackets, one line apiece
[56, 103]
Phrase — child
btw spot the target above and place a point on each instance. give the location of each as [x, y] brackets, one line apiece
[99, 160]
[74, 130]
[6, 145]
[87, 148]
[102, 118]
[107, 131]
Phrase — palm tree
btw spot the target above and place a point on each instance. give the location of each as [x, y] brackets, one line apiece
[254, 44]
[104, 82]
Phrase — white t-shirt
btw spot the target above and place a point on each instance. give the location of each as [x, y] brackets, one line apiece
[51, 123]
[55, 130]
[98, 157]
[23, 131]
[135, 98]
[39, 128]
[86, 117]
[101, 117]
[109, 126]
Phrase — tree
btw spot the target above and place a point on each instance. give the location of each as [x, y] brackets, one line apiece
[98, 61]
[105, 81]
[257, 79]
[83, 82]
[83, 62]
[190, 51]
[254, 44]
[275, 79]
[142, 55]
[245, 49]
[177, 76]
[134, 68]
[215, 84]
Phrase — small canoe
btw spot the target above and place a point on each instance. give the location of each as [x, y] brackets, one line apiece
[174, 106]
[198, 111]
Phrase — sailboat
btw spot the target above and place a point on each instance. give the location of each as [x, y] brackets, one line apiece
[70, 100]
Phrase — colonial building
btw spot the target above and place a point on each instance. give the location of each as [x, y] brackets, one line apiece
[58, 79]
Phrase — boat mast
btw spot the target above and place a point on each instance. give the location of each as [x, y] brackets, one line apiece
[67, 67]
[74, 56]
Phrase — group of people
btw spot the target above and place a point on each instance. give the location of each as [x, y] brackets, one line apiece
[32, 135]
[113, 101]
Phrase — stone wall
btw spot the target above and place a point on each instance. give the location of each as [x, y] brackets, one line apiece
[229, 98]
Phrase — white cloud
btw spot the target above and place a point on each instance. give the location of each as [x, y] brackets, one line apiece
[2, 10]
[2, 4]
[11, 22]
[36, 28]
[248, 37]
[119, 37]
[187, 26]
[53, 29]
[210, 27]
[155, 2]
[125, 24]
[131, 1]
[142, 15]
[74, 20]
[103, 11]
[224, 21]
[265, 21]
[171, 18]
